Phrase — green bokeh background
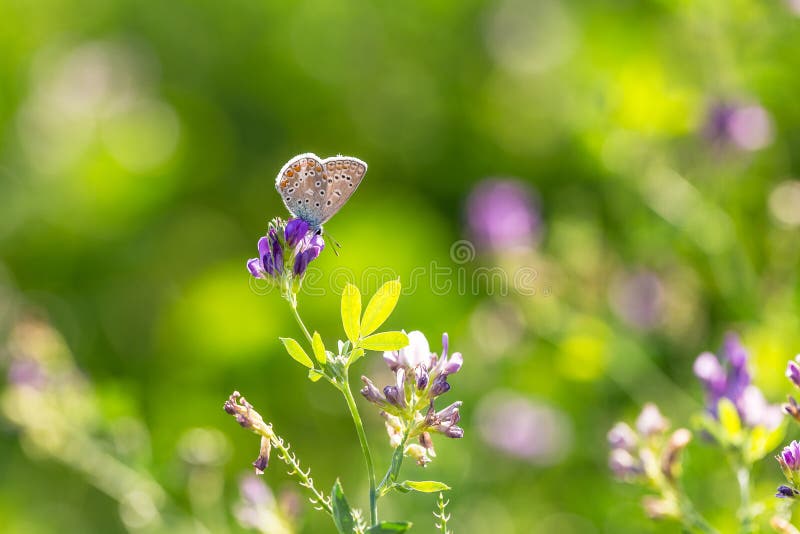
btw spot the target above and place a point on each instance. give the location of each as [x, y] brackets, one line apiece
[138, 146]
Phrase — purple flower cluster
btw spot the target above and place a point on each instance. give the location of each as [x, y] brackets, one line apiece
[651, 456]
[287, 249]
[727, 377]
[789, 460]
[420, 377]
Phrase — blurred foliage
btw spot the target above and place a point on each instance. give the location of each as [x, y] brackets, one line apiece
[138, 148]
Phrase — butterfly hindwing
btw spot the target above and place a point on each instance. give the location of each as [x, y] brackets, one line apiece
[343, 175]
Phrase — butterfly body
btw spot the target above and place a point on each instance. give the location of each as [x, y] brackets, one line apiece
[314, 189]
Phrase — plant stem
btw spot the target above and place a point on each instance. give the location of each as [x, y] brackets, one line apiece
[743, 478]
[344, 387]
[362, 438]
[293, 305]
[692, 520]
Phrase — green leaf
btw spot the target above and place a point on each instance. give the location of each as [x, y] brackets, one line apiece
[388, 527]
[729, 418]
[342, 514]
[319, 348]
[355, 355]
[296, 351]
[422, 486]
[762, 441]
[385, 341]
[380, 307]
[351, 312]
[314, 375]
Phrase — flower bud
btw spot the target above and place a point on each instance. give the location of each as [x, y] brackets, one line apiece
[670, 459]
[622, 436]
[793, 371]
[650, 422]
[263, 456]
[440, 386]
[623, 464]
[372, 393]
[421, 374]
[394, 396]
[418, 453]
[785, 492]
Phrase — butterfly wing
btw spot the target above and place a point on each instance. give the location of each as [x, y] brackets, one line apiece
[315, 190]
[342, 176]
[296, 186]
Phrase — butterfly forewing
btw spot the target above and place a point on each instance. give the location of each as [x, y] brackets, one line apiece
[296, 184]
[342, 175]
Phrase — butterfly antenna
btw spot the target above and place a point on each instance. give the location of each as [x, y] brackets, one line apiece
[335, 244]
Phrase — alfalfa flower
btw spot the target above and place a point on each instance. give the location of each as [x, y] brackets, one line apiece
[285, 252]
[728, 377]
[421, 376]
[249, 418]
[789, 461]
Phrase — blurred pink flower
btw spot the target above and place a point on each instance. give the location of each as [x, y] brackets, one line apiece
[524, 428]
[503, 214]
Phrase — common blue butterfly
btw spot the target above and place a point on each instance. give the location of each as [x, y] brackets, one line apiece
[314, 190]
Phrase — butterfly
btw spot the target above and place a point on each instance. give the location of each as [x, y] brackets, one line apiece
[314, 190]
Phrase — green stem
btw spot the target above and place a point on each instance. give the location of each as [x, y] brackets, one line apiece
[351, 405]
[743, 478]
[394, 468]
[362, 438]
[692, 520]
[293, 305]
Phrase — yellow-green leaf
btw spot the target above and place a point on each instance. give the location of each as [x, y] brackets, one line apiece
[425, 486]
[380, 307]
[729, 418]
[356, 354]
[351, 312]
[319, 348]
[314, 375]
[385, 341]
[296, 351]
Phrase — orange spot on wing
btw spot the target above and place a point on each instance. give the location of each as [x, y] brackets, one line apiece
[290, 173]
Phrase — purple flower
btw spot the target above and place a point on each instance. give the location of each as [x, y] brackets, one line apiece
[287, 249]
[503, 215]
[622, 436]
[791, 456]
[524, 428]
[650, 421]
[728, 377]
[746, 127]
[785, 492]
[296, 229]
[418, 351]
[638, 299]
[793, 371]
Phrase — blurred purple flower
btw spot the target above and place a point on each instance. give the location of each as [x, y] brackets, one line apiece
[650, 421]
[524, 428]
[793, 371]
[503, 215]
[728, 377]
[638, 299]
[747, 127]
